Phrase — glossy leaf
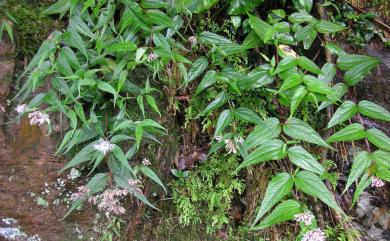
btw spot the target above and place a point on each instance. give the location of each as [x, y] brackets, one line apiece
[208, 80]
[381, 158]
[218, 102]
[378, 138]
[308, 65]
[247, 115]
[350, 133]
[299, 94]
[373, 110]
[225, 118]
[323, 26]
[199, 66]
[360, 163]
[364, 182]
[345, 111]
[262, 29]
[263, 133]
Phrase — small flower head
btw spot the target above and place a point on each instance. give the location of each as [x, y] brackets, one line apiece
[152, 56]
[109, 201]
[103, 146]
[81, 192]
[146, 162]
[135, 185]
[38, 118]
[314, 235]
[376, 182]
[230, 146]
[74, 174]
[20, 109]
[306, 218]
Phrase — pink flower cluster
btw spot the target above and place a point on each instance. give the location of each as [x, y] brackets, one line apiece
[82, 191]
[135, 184]
[376, 182]
[146, 162]
[20, 109]
[305, 217]
[314, 235]
[231, 145]
[109, 201]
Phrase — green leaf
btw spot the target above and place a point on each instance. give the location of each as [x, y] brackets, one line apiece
[263, 133]
[152, 103]
[381, 158]
[238, 7]
[86, 154]
[299, 94]
[218, 102]
[346, 110]
[323, 26]
[140, 102]
[208, 80]
[150, 173]
[308, 65]
[364, 182]
[271, 150]
[383, 173]
[199, 66]
[303, 5]
[303, 159]
[285, 64]
[312, 185]
[277, 189]
[212, 38]
[80, 112]
[378, 138]
[74, 40]
[304, 32]
[106, 87]
[317, 86]
[292, 80]
[338, 91]
[247, 115]
[350, 133]
[357, 73]
[225, 118]
[122, 47]
[262, 29]
[300, 17]
[300, 130]
[360, 163]
[283, 212]
[158, 17]
[328, 73]
[373, 110]
[349, 61]
[120, 156]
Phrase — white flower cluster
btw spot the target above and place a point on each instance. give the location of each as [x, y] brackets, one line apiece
[20, 109]
[151, 57]
[135, 184]
[314, 235]
[73, 174]
[38, 118]
[231, 145]
[376, 182]
[109, 201]
[103, 146]
[146, 162]
[305, 217]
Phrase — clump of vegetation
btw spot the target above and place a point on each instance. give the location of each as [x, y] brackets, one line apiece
[90, 68]
[205, 195]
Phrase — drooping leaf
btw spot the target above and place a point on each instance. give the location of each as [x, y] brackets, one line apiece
[299, 94]
[213, 38]
[208, 80]
[291, 81]
[346, 110]
[373, 110]
[349, 61]
[350, 133]
[357, 73]
[277, 189]
[306, 5]
[300, 130]
[262, 29]
[364, 182]
[300, 17]
[328, 73]
[303, 159]
[312, 185]
[283, 212]
[308, 65]
[378, 138]
[150, 173]
[381, 158]
[317, 86]
[106, 87]
[360, 163]
[285, 64]
[238, 7]
[218, 102]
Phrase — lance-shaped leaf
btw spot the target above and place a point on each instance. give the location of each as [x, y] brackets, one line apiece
[364, 182]
[328, 27]
[271, 150]
[218, 102]
[225, 118]
[303, 5]
[277, 189]
[328, 73]
[286, 64]
[199, 66]
[308, 65]
[381, 158]
[263, 133]
[346, 110]
[208, 80]
[317, 86]
[283, 212]
[262, 29]
[300, 130]
[247, 115]
[361, 162]
[383, 173]
[349, 61]
[357, 73]
[312, 185]
[350, 133]
[303, 159]
[291, 81]
[150, 173]
[378, 138]
[373, 110]
[299, 94]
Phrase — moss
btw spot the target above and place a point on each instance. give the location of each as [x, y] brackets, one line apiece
[31, 27]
